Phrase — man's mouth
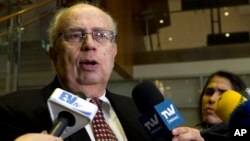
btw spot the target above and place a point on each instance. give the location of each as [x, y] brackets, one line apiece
[90, 62]
[89, 65]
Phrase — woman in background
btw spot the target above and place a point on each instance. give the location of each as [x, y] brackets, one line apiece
[211, 126]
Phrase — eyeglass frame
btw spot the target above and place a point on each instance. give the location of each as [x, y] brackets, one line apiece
[111, 37]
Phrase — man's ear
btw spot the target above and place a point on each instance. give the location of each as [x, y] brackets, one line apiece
[115, 50]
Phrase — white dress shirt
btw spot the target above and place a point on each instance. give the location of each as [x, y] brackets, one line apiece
[111, 119]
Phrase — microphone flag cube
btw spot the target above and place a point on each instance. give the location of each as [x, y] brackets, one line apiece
[159, 121]
[169, 114]
[82, 110]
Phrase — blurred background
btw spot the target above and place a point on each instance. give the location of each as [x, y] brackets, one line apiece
[174, 43]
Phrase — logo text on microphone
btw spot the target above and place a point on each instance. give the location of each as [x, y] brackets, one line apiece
[153, 122]
[68, 98]
[169, 114]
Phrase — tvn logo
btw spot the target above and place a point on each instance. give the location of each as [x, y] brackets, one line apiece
[240, 132]
[164, 115]
[152, 122]
[169, 114]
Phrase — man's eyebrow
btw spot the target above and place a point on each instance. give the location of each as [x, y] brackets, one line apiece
[99, 28]
[76, 29]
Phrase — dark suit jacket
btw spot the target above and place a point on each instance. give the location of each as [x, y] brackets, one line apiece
[26, 111]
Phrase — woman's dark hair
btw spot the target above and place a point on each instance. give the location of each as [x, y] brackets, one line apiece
[237, 84]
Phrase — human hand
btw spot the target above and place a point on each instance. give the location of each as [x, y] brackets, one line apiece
[37, 137]
[186, 134]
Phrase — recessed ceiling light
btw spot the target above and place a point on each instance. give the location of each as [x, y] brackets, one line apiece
[226, 13]
[161, 21]
[227, 35]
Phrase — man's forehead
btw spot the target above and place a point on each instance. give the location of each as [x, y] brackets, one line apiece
[93, 17]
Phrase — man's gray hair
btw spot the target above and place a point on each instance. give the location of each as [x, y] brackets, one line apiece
[54, 25]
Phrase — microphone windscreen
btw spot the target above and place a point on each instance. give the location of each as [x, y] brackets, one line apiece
[227, 103]
[146, 96]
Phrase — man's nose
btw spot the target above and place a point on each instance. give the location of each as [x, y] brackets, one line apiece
[88, 43]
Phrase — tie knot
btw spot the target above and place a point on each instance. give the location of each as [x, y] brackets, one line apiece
[96, 101]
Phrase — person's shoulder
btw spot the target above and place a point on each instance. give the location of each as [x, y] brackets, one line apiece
[20, 95]
[29, 94]
[118, 96]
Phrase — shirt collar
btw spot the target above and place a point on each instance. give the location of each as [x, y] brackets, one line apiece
[105, 103]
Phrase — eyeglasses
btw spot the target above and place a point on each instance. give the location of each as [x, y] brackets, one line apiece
[78, 36]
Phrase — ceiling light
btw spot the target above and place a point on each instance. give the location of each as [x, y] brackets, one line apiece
[161, 21]
[227, 35]
[226, 13]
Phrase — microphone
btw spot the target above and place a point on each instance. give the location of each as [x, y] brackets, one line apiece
[63, 120]
[159, 116]
[227, 103]
[239, 121]
[69, 113]
[234, 109]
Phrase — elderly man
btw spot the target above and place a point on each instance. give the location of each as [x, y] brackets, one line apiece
[83, 51]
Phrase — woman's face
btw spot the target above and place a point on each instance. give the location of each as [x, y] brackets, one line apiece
[214, 89]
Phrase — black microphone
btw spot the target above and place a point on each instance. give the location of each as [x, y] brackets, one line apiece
[63, 120]
[146, 96]
[159, 116]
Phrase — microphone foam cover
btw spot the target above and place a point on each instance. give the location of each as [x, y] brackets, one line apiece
[146, 95]
[227, 103]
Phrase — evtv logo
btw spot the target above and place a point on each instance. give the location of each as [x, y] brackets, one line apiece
[68, 98]
[240, 132]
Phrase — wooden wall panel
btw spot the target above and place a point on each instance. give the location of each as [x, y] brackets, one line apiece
[128, 36]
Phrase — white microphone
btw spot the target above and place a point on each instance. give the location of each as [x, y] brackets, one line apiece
[69, 113]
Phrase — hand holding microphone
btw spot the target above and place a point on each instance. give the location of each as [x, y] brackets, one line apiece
[186, 134]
